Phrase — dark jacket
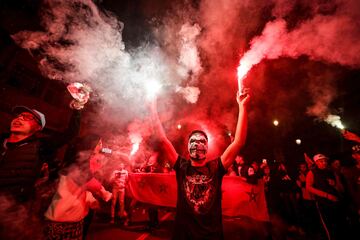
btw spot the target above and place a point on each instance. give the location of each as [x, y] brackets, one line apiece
[21, 162]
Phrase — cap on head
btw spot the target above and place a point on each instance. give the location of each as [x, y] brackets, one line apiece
[319, 156]
[39, 115]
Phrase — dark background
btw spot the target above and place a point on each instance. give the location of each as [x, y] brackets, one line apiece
[281, 94]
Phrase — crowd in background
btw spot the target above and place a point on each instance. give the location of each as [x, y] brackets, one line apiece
[320, 201]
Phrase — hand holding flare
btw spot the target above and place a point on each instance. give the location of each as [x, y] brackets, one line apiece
[81, 94]
[243, 96]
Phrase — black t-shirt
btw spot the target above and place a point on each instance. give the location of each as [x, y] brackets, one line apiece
[20, 162]
[198, 210]
[322, 179]
[352, 180]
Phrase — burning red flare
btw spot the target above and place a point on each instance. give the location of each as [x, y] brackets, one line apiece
[269, 45]
[243, 68]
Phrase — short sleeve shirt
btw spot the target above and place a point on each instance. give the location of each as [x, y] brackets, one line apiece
[198, 211]
[119, 178]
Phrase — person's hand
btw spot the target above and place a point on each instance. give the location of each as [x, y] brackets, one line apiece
[286, 178]
[331, 182]
[80, 93]
[350, 136]
[95, 205]
[332, 198]
[243, 98]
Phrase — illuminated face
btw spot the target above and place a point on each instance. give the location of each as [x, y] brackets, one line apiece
[25, 123]
[122, 167]
[321, 163]
[336, 165]
[98, 146]
[255, 166]
[303, 168]
[197, 146]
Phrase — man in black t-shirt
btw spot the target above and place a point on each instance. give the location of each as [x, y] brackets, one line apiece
[321, 183]
[198, 213]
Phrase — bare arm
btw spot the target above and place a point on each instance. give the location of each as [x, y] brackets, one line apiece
[233, 149]
[351, 136]
[298, 183]
[112, 177]
[165, 143]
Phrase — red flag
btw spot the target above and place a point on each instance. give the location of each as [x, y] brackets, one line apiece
[308, 160]
[154, 188]
[239, 197]
[243, 199]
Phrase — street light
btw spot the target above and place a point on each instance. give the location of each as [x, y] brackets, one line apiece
[276, 123]
[298, 141]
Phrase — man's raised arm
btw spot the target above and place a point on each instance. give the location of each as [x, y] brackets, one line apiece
[164, 142]
[350, 136]
[233, 149]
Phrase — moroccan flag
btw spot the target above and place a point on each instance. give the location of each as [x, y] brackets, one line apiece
[308, 160]
[154, 188]
[238, 197]
[244, 199]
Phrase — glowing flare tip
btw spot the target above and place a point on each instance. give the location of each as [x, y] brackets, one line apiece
[135, 148]
[243, 68]
[335, 121]
[152, 88]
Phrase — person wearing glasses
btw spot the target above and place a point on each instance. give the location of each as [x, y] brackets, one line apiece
[22, 154]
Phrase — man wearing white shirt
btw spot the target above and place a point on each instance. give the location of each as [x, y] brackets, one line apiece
[118, 180]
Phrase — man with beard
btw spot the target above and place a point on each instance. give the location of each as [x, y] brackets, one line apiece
[199, 179]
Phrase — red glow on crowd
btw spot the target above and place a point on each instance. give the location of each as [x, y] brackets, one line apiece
[134, 148]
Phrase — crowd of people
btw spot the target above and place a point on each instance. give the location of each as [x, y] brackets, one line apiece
[320, 199]
[57, 199]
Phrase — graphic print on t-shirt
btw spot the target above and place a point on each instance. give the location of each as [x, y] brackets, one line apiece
[199, 191]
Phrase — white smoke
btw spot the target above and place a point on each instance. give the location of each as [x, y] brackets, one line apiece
[17, 221]
[191, 94]
[329, 35]
[89, 48]
[189, 59]
[335, 121]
